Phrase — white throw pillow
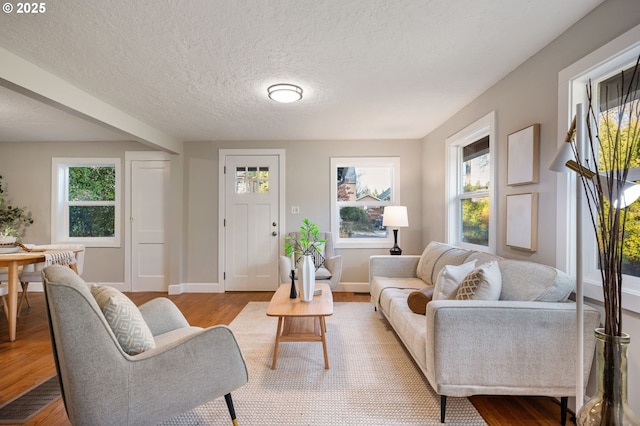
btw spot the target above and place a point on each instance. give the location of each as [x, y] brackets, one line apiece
[449, 280]
[483, 283]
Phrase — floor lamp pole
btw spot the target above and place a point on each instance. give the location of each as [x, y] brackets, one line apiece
[579, 296]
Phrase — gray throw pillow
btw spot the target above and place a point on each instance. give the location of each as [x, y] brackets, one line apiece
[125, 320]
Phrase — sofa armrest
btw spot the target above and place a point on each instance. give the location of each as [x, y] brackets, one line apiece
[393, 266]
[505, 347]
[162, 316]
[334, 265]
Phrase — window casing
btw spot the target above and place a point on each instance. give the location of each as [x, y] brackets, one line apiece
[85, 201]
[360, 189]
[598, 67]
[471, 163]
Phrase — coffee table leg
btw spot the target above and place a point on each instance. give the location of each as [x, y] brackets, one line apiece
[275, 349]
[323, 332]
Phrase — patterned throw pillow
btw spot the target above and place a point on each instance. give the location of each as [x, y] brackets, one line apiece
[316, 251]
[125, 320]
[449, 280]
[483, 283]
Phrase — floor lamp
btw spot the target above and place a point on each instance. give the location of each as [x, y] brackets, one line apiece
[559, 164]
[563, 162]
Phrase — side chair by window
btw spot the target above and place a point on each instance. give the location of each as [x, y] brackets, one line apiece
[328, 264]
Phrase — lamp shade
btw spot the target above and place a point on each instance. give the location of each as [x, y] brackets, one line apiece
[559, 163]
[395, 216]
[629, 193]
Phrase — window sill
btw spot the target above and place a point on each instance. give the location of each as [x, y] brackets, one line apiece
[630, 297]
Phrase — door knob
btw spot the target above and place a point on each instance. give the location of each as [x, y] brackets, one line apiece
[274, 224]
[274, 233]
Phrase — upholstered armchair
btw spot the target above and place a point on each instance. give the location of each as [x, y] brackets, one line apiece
[180, 368]
[328, 271]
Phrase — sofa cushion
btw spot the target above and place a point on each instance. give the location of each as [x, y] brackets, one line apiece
[125, 320]
[391, 294]
[483, 283]
[381, 285]
[449, 280]
[528, 281]
[411, 329]
[417, 300]
[435, 257]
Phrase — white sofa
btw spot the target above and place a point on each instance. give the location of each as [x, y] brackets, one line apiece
[522, 344]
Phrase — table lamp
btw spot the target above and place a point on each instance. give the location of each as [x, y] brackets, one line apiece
[396, 217]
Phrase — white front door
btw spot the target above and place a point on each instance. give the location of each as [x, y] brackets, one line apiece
[149, 185]
[251, 222]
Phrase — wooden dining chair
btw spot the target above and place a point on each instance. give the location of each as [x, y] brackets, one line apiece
[4, 291]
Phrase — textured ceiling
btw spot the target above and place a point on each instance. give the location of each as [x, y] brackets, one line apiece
[199, 69]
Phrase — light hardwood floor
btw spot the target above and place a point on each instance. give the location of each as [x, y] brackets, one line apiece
[28, 361]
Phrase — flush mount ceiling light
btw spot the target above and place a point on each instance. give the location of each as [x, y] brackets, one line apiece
[285, 93]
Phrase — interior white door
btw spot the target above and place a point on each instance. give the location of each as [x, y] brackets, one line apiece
[149, 185]
[251, 227]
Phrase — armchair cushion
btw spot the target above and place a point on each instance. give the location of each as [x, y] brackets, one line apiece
[125, 320]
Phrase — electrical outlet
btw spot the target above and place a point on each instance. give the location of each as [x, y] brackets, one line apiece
[295, 209]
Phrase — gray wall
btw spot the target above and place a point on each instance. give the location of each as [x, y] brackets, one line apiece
[308, 185]
[530, 95]
[26, 171]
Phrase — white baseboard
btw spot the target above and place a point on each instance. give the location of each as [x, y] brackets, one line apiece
[195, 288]
[37, 287]
[351, 288]
[33, 287]
[215, 287]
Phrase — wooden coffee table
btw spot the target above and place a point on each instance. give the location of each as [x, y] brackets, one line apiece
[300, 321]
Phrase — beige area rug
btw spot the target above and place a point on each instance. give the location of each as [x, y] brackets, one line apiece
[372, 380]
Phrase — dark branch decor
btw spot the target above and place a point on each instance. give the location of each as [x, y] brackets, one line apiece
[613, 142]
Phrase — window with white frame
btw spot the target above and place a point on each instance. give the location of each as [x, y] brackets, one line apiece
[470, 181]
[601, 70]
[85, 201]
[361, 188]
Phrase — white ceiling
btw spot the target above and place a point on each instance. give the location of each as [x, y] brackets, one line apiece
[199, 69]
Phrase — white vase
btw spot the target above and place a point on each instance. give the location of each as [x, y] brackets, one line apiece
[307, 278]
[7, 240]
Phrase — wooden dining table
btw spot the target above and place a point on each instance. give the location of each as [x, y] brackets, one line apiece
[12, 262]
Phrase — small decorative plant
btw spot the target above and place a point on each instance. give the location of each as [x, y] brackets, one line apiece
[309, 238]
[13, 220]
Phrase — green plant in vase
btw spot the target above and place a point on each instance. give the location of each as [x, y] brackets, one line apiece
[13, 220]
[304, 244]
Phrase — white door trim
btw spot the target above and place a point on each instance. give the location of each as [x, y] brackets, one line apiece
[129, 157]
[222, 157]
